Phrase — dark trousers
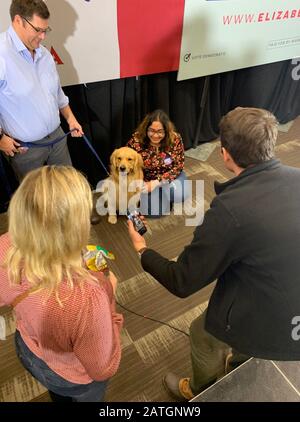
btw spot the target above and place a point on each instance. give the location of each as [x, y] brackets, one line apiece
[93, 392]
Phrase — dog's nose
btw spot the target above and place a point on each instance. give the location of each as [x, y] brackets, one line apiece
[122, 168]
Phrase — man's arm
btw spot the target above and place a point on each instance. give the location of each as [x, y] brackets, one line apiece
[7, 144]
[72, 121]
[201, 262]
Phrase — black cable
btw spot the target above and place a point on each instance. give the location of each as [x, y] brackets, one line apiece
[152, 319]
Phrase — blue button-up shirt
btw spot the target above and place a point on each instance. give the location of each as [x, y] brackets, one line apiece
[30, 90]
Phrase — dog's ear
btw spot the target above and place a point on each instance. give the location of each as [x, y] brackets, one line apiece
[138, 162]
[113, 158]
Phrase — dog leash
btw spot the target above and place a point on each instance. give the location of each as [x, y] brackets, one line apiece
[95, 153]
[48, 144]
[59, 139]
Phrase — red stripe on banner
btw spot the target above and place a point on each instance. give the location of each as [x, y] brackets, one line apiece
[56, 57]
[149, 35]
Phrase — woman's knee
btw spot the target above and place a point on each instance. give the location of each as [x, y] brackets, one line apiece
[155, 204]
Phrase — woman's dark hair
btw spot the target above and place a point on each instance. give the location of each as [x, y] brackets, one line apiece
[28, 8]
[156, 116]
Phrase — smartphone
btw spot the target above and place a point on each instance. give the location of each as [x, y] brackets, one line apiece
[138, 223]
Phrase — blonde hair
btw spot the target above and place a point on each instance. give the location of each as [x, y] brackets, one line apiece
[249, 135]
[49, 224]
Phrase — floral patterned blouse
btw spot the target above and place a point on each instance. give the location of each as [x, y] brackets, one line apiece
[159, 164]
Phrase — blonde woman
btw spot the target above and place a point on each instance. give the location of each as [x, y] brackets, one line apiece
[68, 332]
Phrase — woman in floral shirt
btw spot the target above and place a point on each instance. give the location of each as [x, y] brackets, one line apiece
[163, 155]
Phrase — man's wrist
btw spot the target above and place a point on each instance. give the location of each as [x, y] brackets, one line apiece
[141, 251]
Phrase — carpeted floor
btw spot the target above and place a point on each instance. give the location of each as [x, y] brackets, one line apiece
[150, 349]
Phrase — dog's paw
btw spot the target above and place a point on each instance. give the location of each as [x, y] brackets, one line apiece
[112, 219]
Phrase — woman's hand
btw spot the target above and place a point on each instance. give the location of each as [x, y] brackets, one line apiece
[137, 240]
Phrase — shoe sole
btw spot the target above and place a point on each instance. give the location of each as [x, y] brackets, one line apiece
[178, 399]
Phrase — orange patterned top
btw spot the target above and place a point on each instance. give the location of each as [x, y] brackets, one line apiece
[158, 164]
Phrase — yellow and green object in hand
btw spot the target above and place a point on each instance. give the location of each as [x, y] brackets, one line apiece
[95, 258]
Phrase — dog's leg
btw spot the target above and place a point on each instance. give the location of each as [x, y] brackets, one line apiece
[95, 217]
[112, 200]
[112, 219]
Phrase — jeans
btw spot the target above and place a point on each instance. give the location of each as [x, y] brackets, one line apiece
[159, 202]
[93, 392]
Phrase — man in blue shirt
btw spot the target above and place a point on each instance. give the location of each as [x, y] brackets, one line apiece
[31, 97]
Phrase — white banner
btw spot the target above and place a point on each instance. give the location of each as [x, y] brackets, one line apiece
[83, 41]
[96, 40]
[224, 35]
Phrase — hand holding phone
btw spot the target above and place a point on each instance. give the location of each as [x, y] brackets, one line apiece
[138, 223]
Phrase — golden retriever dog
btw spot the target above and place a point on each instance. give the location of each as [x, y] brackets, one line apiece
[124, 183]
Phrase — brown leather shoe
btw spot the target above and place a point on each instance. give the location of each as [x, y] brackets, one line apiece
[95, 218]
[178, 387]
